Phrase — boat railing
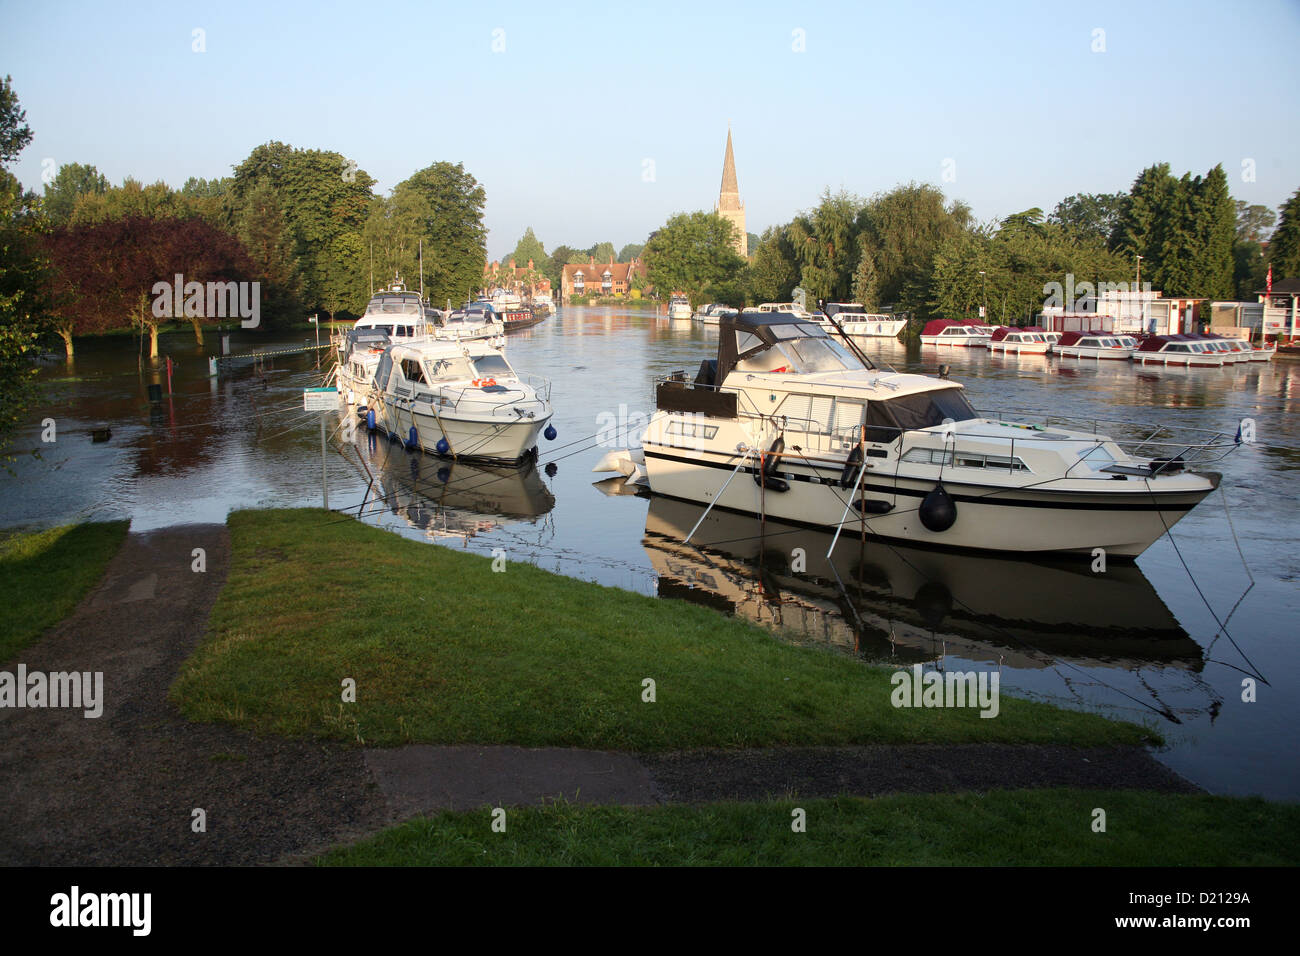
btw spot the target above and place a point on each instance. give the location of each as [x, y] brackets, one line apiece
[1163, 443]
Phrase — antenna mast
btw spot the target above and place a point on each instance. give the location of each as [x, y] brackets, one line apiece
[372, 269]
[421, 267]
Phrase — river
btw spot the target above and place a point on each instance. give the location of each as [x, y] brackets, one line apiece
[1167, 643]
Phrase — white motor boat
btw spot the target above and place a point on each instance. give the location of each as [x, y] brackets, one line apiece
[1027, 341]
[853, 319]
[459, 399]
[472, 323]
[679, 307]
[393, 314]
[949, 333]
[1095, 345]
[788, 423]
[1180, 350]
[359, 351]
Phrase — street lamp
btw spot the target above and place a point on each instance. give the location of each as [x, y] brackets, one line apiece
[984, 296]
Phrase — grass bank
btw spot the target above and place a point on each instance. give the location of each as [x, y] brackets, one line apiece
[445, 650]
[1001, 828]
[47, 573]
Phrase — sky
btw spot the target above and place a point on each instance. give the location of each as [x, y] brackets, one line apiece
[597, 122]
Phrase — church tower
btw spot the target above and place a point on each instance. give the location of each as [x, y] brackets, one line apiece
[729, 206]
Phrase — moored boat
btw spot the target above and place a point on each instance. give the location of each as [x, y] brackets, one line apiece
[679, 307]
[1178, 350]
[1095, 345]
[459, 399]
[787, 423]
[949, 333]
[1026, 341]
[853, 319]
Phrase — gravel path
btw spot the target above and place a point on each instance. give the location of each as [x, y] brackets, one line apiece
[122, 788]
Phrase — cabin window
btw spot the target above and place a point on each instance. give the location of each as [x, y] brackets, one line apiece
[412, 370]
[964, 459]
[746, 341]
[451, 369]
[492, 365]
[848, 418]
[690, 429]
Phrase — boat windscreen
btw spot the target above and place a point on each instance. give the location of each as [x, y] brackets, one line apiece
[927, 409]
[491, 365]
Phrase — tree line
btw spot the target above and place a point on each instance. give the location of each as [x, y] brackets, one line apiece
[910, 249]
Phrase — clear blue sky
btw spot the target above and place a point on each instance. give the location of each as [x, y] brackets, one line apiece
[559, 125]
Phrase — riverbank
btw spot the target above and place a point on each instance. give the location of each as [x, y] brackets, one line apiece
[123, 789]
[47, 573]
[999, 828]
[334, 629]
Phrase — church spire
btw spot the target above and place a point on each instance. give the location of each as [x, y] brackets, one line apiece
[730, 189]
[729, 205]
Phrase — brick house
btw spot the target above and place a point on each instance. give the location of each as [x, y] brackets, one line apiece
[598, 278]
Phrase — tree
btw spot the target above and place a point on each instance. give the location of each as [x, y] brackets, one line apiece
[1254, 223]
[825, 242]
[1144, 218]
[264, 231]
[632, 250]
[865, 286]
[773, 268]
[322, 195]
[23, 272]
[904, 228]
[1216, 229]
[15, 134]
[448, 204]
[603, 252]
[529, 248]
[72, 181]
[1088, 217]
[1284, 247]
[691, 252]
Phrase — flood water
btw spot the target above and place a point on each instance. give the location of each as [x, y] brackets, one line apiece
[1167, 642]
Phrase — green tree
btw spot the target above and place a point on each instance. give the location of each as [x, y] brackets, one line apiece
[1254, 223]
[15, 134]
[1284, 247]
[1088, 217]
[529, 247]
[904, 228]
[23, 272]
[1144, 217]
[691, 253]
[1216, 229]
[774, 269]
[603, 252]
[825, 241]
[322, 194]
[71, 182]
[630, 251]
[447, 203]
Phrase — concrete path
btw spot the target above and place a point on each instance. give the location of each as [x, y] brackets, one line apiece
[123, 788]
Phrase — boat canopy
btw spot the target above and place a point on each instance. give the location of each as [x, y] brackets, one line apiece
[1070, 338]
[935, 326]
[802, 345]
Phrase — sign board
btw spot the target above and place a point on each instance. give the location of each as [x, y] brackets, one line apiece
[981, 311]
[320, 399]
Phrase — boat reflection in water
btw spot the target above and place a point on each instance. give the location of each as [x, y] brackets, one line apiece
[888, 602]
[446, 498]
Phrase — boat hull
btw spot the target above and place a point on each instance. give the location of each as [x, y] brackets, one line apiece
[476, 438]
[1044, 519]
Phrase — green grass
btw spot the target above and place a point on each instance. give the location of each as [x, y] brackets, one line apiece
[444, 650]
[1000, 828]
[47, 573]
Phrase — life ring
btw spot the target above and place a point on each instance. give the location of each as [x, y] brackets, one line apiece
[484, 382]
